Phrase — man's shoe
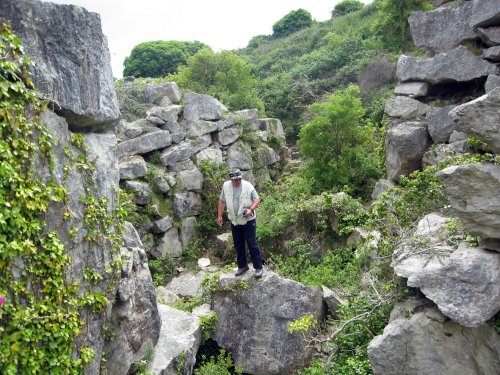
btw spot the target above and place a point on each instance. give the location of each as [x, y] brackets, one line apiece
[258, 273]
[241, 271]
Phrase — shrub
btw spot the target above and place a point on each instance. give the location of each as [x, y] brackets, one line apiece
[292, 22]
[159, 58]
[347, 6]
[162, 269]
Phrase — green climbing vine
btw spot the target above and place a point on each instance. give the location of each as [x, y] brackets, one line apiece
[40, 309]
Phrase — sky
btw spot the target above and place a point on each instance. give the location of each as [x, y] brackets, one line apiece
[221, 24]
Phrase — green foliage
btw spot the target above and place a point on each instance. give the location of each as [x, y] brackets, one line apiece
[302, 325]
[159, 58]
[162, 269]
[220, 365]
[223, 75]
[187, 305]
[341, 150]
[347, 6]
[292, 22]
[208, 325]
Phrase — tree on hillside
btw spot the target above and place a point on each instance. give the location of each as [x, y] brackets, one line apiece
[223, 75]
[292, 22]
[346, 6]
[340, 148]
[159, 58]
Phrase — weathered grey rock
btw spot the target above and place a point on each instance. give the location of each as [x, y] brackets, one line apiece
[480, 119]
[472, 190]
[202, 107]
[248, 175]
[169, 244]
[180, 338]
[132, 167]
[405, 145]
[212, 154]
[248, 118]
[182, 166]
[184, 150]
[273, 127]
[162, 225]
[266, 156]
[229, 135]
[186, 204]
[143, 144]
[203, 310]
[458, 65]
[457, 136]
[223, 240]
[463, 282]
[492, 82]
[404, 107]
[239, 155]
[191, 179]
[187, 284]
[492, 54]
[72, 59]
[135, 321]
[137, 128]
[412, 89]
[267, 347]
[204, 263]
[381, 187]
[260, 136]
[172, 127]
[490, 36]
[360, 235]
[439, 123]
[442, 29]
[200, 127]
[142, 191]
[421, 341]
[165, 296]
[188, 230]
[439, 153]
[161, 115]
[485, 13]
[155, 92]
[433, 228]
[261, 177]
[332, 300]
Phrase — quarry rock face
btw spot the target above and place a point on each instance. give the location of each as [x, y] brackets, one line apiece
[72, 59]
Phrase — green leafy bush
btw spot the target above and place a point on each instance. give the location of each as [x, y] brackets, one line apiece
[159, 58]
[219, 365]
[162, 269]
[340, 148]
[346, 6]
[292, 22]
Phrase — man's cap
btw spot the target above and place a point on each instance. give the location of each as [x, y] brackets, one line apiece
[235, 174]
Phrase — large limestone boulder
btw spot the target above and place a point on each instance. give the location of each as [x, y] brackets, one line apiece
[156, 92]
[412, 89]
[162, 115]
[462, 282]
[442, 29]
[473, 194]
[273, 127]
[485, 13]
[440, 152]
[458, 65]
[480, 118]
[190, 179]
[200, 127]
[439, 123]
[229, 135]
[132, 167]
[420, 340]
[239, 155]
[202, 107]
[135, 321]
[187, 284]
[490, 36]
[265, 156]
[212, 154]
[405, 107]
[72, 59]
[184, 150]
[405, 145]
[253, 321]
[144, 144]
[186, 204]
[169, 244]
[180, 338]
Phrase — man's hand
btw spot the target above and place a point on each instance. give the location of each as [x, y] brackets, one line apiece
[248, 212]
[219, 221]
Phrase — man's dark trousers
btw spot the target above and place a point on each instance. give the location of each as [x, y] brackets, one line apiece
[246, 233]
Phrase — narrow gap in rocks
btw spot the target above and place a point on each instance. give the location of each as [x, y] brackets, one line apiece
[456, 92]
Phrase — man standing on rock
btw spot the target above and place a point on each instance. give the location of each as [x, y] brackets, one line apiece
[242, 200]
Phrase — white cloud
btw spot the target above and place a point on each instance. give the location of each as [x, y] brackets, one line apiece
[222, 24]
